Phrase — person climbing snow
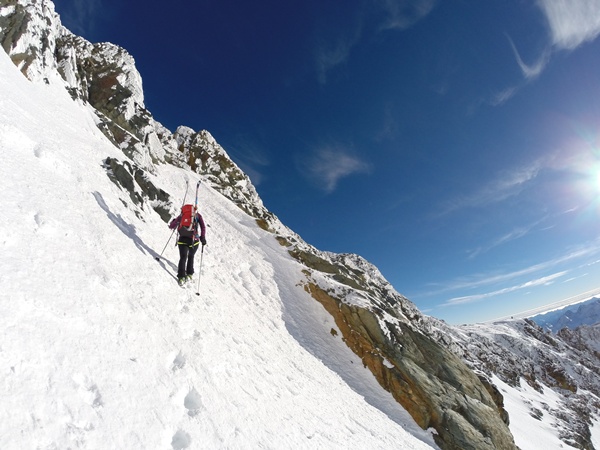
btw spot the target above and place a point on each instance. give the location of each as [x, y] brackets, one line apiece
[187, 223]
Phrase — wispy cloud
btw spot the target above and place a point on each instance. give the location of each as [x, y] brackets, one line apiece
[519, 232]
[328, 165]
[507, 184]
[402, 14]
[572, 22]
[479, 281]
[391, 15]
[543, 281]
[503, 96]
[251, 159]
[389, 127]
[80, 15]
[332, 54]
[531, 71]
[516, 233]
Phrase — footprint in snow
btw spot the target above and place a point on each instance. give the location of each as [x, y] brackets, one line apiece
[88, 391]
[181, 440]
[178, 362]
[193, 402]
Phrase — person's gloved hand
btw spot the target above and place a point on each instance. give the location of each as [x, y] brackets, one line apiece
[203, 240]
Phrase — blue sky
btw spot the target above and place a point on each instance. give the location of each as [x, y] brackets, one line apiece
[455, 145]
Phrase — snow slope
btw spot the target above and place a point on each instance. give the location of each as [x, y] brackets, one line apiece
[548, 386]
[99, 347]
[531, 424]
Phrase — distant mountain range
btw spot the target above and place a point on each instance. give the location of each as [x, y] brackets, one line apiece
[572, 316]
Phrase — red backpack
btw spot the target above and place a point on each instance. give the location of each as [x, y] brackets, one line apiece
[188, 213]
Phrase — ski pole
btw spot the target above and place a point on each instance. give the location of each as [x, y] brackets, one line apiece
[163, 250]
[187, 185]
[200, 270]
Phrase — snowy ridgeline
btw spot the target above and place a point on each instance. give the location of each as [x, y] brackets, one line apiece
[572, 316]
[100, 348]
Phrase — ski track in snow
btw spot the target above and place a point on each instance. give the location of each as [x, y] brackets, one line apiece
[99, 346]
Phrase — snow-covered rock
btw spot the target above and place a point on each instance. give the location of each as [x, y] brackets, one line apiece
[526, 358]
[28, 33]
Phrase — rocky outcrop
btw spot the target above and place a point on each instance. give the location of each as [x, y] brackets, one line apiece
[102, 75]
[205, 156]
[585, 338]
[138, 185]
[392, 338]
[28, 33]
[519, 352]
[430, 382]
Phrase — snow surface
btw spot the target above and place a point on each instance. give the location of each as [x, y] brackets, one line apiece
[99, 347]
[595, 430]
[531, 432]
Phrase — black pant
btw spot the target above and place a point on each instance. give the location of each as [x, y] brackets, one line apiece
[187, 251]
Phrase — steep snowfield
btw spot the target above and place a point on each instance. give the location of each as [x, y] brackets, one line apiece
[99, 347]
[531, 432]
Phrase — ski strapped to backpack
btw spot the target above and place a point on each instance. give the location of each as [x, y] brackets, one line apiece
[187, 185]
[187, 222]
[188, 214]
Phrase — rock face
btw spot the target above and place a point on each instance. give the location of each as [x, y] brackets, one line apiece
[522, 352]
[390, 335]
[204, 155]
[585, 338]
[429, 381]
[28, 33]
[440, 374]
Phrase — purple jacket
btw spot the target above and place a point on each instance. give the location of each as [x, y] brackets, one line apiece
[199, 221]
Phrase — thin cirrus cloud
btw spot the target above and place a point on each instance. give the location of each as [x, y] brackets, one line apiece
[570, 23]
[517, 233]
[330, 55]
[328, 165]
[81, 14]
[506, 185]
[543, 281]
[586, 251]
[402, 14]
[530, 71]
[503, 96]
[397, 15]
